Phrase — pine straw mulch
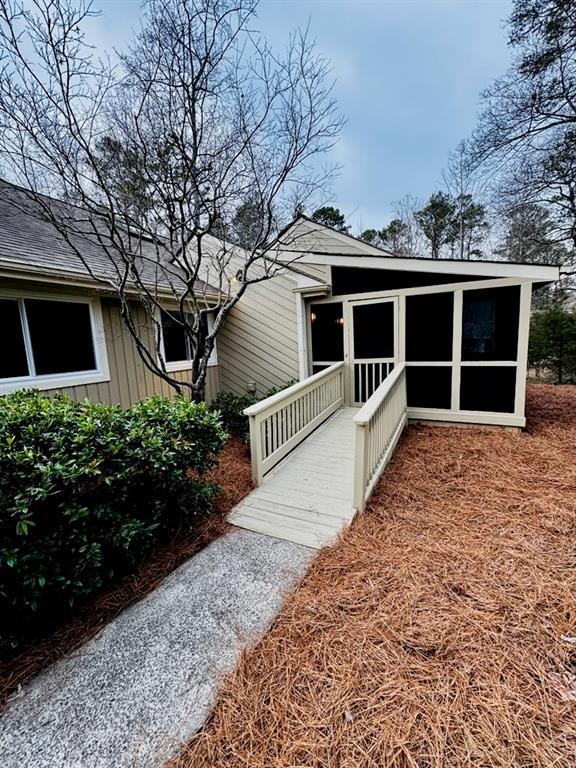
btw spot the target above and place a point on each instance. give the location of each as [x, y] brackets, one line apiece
[440, 630]
[233, 474]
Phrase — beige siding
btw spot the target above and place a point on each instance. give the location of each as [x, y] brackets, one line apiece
[309, 237]
[130, 380]
[258, 342]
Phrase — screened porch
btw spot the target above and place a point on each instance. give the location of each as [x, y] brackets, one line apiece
[464, 347]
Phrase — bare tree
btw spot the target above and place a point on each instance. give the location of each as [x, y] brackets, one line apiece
[153, 154]
[409, 240]
[464, 185]
[526, 137]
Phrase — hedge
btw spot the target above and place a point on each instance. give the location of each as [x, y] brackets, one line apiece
[230, 407]
[86, 490]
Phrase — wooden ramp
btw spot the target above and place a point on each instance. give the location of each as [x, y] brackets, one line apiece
[308, 497]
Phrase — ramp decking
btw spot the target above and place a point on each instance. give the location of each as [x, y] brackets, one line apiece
[307, 498]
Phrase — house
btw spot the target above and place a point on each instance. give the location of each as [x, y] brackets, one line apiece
[461, 327]
[373, 340]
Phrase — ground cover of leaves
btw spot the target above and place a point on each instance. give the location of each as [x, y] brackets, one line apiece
[440, 630]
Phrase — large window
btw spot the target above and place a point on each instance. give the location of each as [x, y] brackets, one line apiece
[47, 341]
[176, 343]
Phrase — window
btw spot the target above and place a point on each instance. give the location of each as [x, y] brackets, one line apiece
[49, 343]
[490, 324]
[13, 361]
[176, 344]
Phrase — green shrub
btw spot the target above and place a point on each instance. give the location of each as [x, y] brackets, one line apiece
[231, 407]
[86, 490]
[553, 342]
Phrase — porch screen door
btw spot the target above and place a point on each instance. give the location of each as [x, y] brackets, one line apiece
[373, 345]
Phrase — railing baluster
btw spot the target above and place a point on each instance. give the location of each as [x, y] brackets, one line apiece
[280, 422]
[379, 424]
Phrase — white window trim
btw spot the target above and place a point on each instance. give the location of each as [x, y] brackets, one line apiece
[185, 365]
[98, 375]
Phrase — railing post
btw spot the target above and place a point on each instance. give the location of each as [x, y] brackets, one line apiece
[360, 468]
[256, 450]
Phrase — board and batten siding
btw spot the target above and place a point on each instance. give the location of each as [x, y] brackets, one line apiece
[130, 380]
[258, 343]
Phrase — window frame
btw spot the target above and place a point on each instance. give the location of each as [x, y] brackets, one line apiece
[97, 375]
[183, 365]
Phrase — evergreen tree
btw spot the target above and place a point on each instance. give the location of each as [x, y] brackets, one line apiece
[553, 341]
[437, 222]
[331, 217]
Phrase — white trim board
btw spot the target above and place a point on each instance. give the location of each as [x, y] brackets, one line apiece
[58, 380]
[536, 272]
[467, 417]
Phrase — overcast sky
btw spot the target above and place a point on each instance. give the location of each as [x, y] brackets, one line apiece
[409, 75]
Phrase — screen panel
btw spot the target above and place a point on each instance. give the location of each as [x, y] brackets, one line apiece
[429, 386]
[327, 331]
[373, 330]
[488, 388]
[490, 319]
[429, 327]
[347, 280]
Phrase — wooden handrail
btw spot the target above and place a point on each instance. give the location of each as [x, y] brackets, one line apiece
[268, 402]
[371, 405]
[379, 424]
[280, 422]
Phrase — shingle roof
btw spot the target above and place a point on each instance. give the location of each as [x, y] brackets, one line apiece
[29, 243]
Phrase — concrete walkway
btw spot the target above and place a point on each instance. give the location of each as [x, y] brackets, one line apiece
[145, 684]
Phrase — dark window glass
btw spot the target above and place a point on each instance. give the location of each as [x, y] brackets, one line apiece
[318, 368]
[327, 324]
[61, 336]
[429, 387]
[429, 323]
[359, 280]
[13, 352]
[176, 347]
[373, 330]
[490, 324]
[487, 389]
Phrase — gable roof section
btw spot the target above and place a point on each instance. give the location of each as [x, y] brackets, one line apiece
[30, 245]
[308, 242]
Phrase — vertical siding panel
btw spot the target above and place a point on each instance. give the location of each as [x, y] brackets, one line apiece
[113, 385]
[120, 373]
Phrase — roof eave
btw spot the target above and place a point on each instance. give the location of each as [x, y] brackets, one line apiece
[16, 270]
[537, 272]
